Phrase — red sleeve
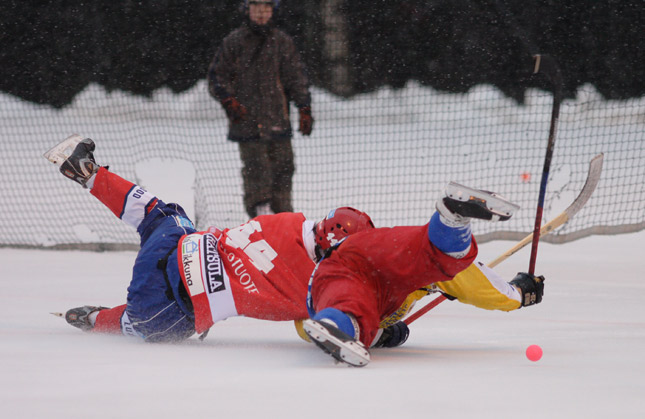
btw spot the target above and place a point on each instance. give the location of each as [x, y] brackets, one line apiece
[109, 320]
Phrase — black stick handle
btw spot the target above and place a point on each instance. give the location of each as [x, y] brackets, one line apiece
[546, 65]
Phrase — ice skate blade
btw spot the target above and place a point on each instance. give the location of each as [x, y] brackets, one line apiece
[499, 207]
[61, 151]
[349, 352]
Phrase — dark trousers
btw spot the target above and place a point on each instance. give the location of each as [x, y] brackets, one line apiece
[267, 173]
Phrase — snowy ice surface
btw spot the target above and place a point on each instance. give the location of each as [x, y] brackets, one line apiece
[460, 362]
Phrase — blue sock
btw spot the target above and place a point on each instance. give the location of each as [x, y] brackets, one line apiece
[342, 320]
[450, 240]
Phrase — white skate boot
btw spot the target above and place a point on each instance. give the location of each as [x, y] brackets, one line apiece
[462, 201]
[337, 343]
[74, 156]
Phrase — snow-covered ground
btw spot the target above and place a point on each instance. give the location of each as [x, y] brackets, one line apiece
[460, 362]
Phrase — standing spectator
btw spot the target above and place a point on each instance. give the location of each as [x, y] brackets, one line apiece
[255, 73]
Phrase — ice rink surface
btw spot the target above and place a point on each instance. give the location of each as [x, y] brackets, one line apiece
[459, 362]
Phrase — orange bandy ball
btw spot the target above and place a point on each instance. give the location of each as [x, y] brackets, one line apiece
[534, 353]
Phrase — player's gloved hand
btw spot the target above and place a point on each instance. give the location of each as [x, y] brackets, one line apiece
[531, 287]
[234, 109]
[393, 336]
[306, 120]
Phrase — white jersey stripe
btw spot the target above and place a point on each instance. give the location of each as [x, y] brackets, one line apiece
[135, 206]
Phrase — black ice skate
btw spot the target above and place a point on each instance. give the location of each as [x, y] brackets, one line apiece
[75, 157]
[337, 343]
[79, 317]
[463, 201]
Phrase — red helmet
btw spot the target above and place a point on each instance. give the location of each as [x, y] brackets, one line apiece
[340, 223]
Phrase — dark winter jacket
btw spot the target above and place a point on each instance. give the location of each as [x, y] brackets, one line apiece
[263, 71]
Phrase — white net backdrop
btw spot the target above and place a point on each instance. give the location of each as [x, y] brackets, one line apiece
[388, 153]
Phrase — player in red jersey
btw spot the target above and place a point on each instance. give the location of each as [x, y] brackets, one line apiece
[369, 275]
[185, 280]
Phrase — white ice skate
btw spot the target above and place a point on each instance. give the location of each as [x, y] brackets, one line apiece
[337, 343]
[475, 203]
[74, 156]
[61, 151]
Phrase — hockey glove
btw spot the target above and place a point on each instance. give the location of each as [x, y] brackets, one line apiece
[306, 120]
[531, 287]
[234, 109]
[393, 336]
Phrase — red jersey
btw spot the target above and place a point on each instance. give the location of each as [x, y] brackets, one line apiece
[269, 266]
[260, 269]
[371, 273]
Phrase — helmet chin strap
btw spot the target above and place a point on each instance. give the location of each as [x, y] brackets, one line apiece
[318, 252]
